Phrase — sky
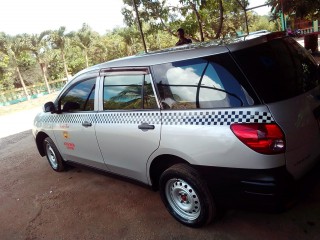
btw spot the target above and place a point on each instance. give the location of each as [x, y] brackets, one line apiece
[261, 11]
[35, 16]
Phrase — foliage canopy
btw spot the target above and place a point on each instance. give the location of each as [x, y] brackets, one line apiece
[27, 59]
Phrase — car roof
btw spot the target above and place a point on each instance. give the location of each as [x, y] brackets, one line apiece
[183, 52]
[164, 56]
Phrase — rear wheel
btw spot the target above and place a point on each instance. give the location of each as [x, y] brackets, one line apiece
[186, 196]
[54, 158]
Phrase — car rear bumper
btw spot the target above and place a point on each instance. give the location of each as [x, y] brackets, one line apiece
[268, 189]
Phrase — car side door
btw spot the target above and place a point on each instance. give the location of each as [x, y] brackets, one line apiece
[74, 125]
[129, 123]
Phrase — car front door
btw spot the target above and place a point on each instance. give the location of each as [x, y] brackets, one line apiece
[129, 123]
[74, 125]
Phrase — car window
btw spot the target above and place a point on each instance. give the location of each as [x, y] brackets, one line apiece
[79, 97]
[198, 83]
[128, 92]
[279, 69]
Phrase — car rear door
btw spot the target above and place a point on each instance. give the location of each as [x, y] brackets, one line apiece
[129, 122]
[301, 127]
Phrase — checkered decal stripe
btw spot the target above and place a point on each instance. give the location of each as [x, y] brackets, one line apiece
[67, 118]
[168, 118]
[215, 117]
[129, 118]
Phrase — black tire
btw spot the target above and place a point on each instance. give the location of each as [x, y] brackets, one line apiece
[186, 196]
[54, 157]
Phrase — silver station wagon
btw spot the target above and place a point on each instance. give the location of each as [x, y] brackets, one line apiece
[206, 125]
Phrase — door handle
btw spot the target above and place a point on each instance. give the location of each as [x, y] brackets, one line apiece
[145, 126]
[86, 124]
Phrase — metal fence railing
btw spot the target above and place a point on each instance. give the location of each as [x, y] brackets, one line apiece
[307, 30]
[34, 91]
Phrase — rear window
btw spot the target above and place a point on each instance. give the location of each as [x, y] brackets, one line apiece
[279, 69]
[211, 82]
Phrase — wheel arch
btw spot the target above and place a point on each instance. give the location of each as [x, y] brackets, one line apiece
[159, 165]
[39, 141]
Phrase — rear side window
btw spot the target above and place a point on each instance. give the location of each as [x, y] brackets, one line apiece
[199, 83]
[279, 69]
[128, 91]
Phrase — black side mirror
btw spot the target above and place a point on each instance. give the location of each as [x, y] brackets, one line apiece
[49, 107]
[70, 106]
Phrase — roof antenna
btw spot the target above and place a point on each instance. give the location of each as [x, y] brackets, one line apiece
[140, 28]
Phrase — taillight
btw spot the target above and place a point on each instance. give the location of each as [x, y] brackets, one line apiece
[261, 137]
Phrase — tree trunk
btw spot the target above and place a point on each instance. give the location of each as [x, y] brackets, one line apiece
[220, 20]
[128, 49]
[198, 20]
[65, 65]
[246, 17]
[158, 41]
[43, 70]
[22, 83]
[140, 26]
[86, 56]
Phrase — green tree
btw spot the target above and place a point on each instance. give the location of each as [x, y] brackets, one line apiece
[14, 47]
[75, 58]
[202, 20]
[299, 8]
[85, 38]
[55, 67]
[262, 22]
[5, 73]
[99, 52]
[244, 4]
[115, 46]
[59, 40]
[196, 7]
[37, 44]
[159, 40]
[130, 38]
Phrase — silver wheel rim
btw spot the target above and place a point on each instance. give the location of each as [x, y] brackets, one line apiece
[183, 199]
[51, 156]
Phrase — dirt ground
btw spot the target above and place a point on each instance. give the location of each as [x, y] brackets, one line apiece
[38, 203]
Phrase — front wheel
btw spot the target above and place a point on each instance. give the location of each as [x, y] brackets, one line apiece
[186, 196]
[54, 158]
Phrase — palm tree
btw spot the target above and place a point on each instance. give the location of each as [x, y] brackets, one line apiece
[37, 44]
[84, 39]
[59, 41]
[13, 47]
[128, 35]
[100, 52]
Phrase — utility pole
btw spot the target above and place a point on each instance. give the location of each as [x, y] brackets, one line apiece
[140, 28]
